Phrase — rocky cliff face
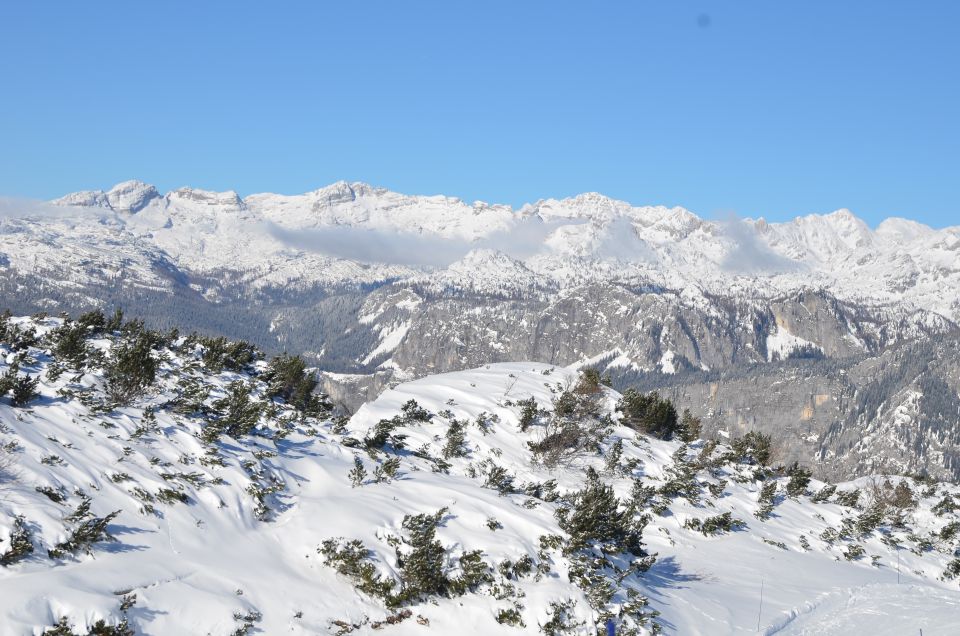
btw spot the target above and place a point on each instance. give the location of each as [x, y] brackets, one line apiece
[895, 411]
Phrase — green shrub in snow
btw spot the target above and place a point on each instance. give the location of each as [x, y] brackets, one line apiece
[715, 525]
[358, 473]
[823, 495]
[799, 480]
[21, 545]
[89, 532]
[766, 500]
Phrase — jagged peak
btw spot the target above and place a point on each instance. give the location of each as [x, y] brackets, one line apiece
[126, 196]
[484, 256]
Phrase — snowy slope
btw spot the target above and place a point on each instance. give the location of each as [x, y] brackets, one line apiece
[218, 562]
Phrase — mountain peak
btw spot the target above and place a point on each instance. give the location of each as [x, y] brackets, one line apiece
[126, 196]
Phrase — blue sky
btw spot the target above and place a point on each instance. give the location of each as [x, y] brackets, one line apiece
[768, 109]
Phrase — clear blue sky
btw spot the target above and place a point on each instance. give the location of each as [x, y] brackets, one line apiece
[758, 108]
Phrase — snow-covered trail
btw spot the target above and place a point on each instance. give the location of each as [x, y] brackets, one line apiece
[880, 609]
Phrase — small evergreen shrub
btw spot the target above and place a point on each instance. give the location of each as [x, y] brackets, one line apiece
[562, 619]
[358, 473]
[715, 525]
[766, 500]
[690, 427]
[131, 367]
[21, 545]
[799, 480]
[510, 616]
[413, 412]
[236, 413]
[455, 445]
[849, 498]
[649, 414]
[387, 471]
[595, 517]
[89, 532]
[24, 390]
[953, 570]
[287, 378]
[529, 413]
[823, 495]
[752, 448]
[945, 506]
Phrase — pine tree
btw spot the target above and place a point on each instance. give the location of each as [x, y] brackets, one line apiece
[423, 565]
[595, 517]
[70, 344]
[766, 500]
[131, 367]
[358, 473]
[799, 479]
[456, 440]
[648, 414]
[287, 378]
[238, 413]
[20, 543]
[529, 412]
[24, 390]
[690, 427]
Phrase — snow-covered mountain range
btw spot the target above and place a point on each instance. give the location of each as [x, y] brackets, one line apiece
[266, 238]
[376, 287]
[512, 498]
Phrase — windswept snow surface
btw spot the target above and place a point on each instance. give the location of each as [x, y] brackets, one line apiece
[214, 562]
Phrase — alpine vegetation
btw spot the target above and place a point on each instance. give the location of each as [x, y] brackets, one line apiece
[161, 482]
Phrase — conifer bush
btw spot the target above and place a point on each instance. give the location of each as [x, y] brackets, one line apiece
[718, 524]
[21, 544]
[220, 353]
[24, 390]
[824, 494]
[238, 415]
[131, 366]
[422, 563]
[456, 437]
[413, 412]
[287, 378]
[352, 559]
[752, 448]
[387, 471]
[562, 619]
[649, 414]
[529, 413]
[953, 569]
[88, 532]
[358, 473]
[799, 480]
[595, 517]
[690, 427]
[766, 500]
[946, 505]
[70, 344]
[849, 498]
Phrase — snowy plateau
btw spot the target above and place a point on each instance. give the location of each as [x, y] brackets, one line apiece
[508, 498]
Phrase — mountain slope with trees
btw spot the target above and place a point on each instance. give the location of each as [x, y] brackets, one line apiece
[163, 482]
